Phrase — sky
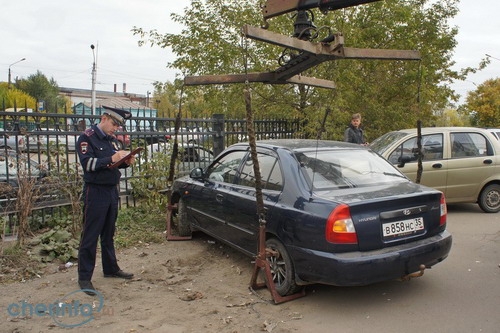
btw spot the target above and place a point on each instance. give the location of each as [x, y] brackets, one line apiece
[54, 36]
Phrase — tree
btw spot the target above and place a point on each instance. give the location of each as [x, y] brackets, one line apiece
[385, 92]
[483, 104]
[15, 98]
[451, 117]
[42, 89]
[167, 98]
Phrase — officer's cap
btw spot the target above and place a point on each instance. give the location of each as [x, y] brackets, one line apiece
[118, 115]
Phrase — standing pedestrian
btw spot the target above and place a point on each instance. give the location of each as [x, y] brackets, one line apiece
[354, 132]
[100, 196]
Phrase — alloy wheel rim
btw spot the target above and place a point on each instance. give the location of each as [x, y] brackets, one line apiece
[278, 269]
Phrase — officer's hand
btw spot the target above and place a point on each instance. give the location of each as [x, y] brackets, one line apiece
[130, 160]
[119, 155]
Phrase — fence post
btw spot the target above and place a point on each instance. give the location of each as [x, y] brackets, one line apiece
[218, 128]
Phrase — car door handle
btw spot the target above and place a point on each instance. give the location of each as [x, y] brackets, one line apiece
[437, 165]
[488, 161]
[219, 198]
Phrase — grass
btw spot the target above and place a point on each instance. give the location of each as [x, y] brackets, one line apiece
[17, 265]
[139, 225]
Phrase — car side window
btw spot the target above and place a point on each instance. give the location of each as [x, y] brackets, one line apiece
[432, 148]
[226, 167]
[269, 169]
[468, 145]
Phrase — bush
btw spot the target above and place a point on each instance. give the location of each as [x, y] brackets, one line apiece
[56, 243]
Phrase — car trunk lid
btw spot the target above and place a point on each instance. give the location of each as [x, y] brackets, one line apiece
[391, 214]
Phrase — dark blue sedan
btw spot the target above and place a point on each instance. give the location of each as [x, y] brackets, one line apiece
[337, 213]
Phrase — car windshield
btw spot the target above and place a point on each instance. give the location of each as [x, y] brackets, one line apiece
[328, 169]
[381, 144]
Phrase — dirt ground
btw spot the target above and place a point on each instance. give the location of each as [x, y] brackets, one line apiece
[183, 286]
[202, 286]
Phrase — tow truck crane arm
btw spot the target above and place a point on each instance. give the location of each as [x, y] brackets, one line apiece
[274, 8]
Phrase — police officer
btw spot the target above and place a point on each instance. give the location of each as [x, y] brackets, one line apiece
[100, 195]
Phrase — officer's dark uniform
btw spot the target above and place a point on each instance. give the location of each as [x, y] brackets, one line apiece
[100, 196]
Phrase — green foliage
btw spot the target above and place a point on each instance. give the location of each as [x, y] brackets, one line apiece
[139, 225]
[483, 104]
[15, 98]
[42, 89]
[152, 181]
[385, 92]
[451, 118]
[56, 243]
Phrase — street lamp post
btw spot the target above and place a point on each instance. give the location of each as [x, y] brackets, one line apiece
[11, 66]
[94, 69]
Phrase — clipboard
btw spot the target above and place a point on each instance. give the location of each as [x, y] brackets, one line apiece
[120, 162]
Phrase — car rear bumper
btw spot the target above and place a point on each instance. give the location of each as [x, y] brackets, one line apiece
[363, 268]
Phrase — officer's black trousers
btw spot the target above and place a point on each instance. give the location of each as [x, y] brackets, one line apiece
[100, 209]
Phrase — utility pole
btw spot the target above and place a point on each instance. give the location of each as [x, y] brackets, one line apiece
[94, 74]
[8, 87]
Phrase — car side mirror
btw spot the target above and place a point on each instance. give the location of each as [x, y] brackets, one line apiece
[197, 174]
[404, 159]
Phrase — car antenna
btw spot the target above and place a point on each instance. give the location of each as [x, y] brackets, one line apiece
[318, 137]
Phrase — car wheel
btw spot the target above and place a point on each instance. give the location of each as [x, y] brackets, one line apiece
[489, 199]
[281, 268]
[183, 225]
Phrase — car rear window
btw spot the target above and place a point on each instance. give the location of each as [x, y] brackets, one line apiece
[329, 169]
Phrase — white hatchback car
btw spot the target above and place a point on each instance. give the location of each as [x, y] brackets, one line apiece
[462, 162]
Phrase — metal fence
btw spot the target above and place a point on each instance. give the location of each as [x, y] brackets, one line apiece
[44, 144]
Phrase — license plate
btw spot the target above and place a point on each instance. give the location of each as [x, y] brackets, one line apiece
[403, 228]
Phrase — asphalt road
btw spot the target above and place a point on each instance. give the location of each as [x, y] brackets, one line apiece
[461, 294]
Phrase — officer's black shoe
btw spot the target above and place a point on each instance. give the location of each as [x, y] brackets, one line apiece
[120, 274]
[87, 287]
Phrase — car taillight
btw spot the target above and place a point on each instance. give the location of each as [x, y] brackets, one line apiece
[339, 226]
[442, 220]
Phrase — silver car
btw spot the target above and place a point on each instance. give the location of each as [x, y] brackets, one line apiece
[462, 162]
[190, 156]
[12, 141]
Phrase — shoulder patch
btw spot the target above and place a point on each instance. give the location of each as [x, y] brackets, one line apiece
[89, 132]
[84, 147]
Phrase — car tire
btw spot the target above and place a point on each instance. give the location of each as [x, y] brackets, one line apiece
[281, 268]
[183, 225]
[489, 199]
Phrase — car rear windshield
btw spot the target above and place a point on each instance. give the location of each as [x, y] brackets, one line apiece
[329, 169]
[381, 144]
